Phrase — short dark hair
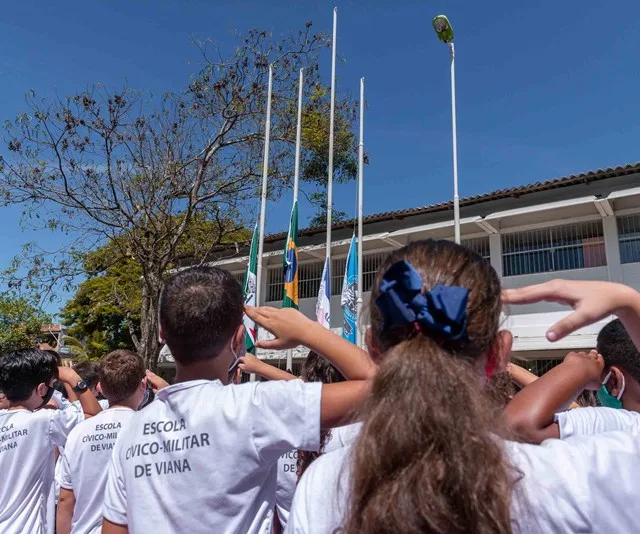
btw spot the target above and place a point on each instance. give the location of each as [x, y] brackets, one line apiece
[22, 370]
[200, 309]
[120, 374]
[617, 348]
[88, 371]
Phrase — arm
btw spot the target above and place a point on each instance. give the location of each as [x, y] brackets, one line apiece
[339, 401]
[292, 329]
[531, 412]
[64, 513]
[111, 528]
[250, 364]
[591, 302]
[520, 375]
[89, 404]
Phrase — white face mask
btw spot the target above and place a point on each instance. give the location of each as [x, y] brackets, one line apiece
[234, 364]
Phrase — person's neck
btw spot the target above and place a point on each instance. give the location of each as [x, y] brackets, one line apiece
[631, 405]
[19, 406]
[202, 370]
[131, 403]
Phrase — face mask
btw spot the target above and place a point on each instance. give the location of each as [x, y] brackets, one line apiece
[148, 397]
[47, 396]
[606, 399]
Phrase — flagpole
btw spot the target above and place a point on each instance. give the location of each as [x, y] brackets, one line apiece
[296, 175]
[331, 126]
[360, 193]
[263, 200]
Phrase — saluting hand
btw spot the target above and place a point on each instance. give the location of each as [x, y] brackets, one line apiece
[290, 327]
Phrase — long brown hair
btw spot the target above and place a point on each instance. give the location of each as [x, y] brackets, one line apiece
[426, 460]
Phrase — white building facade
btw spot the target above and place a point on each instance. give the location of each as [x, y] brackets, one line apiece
[582, 227]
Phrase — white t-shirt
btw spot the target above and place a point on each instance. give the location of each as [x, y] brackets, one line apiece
[586, 485]
[202, 456]
[104, 404]
[288, 468]
[27, 441]
[85, 463]
[594, 420]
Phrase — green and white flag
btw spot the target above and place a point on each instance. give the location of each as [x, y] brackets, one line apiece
[249, 290]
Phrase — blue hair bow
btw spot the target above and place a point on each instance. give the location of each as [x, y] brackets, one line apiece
[442, 311]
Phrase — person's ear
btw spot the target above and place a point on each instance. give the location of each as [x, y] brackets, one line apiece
[501, 350]
[99, 388]
[238, 343]
[42, 389]
[614, 384]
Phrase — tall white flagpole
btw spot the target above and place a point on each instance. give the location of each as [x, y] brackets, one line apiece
[456, 198]
[331, 125]
[296, 174]
[360, 192]
[265, 174]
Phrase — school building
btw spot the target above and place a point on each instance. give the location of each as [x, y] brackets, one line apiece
[580, 227]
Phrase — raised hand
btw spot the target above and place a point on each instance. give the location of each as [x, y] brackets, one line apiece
[290, 327]
[591, 301]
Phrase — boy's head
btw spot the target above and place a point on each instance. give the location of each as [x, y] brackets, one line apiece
[88, 371]
[201, 315]
[26, 377]
[122, 377]
[621, 359]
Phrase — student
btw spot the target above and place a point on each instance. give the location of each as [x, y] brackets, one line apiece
[84, 464]
[88, 371]
[613, 370]
[293, 463]
[202, 456]
[28, 435]
[429, 457]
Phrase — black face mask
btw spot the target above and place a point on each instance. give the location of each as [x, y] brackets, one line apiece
[47, 396]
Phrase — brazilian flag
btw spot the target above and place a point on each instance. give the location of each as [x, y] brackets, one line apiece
[290, 263]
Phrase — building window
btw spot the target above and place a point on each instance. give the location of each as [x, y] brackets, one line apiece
[370, 265]
[309, 277]
[275, 284]
[629, 238]
[573, 246]
[479, 245]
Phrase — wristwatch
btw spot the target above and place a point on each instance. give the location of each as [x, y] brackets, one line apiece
[80, 387]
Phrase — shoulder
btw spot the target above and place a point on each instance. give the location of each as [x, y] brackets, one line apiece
[561, 479]
[594, 420]
[327, 478]
[321, 498]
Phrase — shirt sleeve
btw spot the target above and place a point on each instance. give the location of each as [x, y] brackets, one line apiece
[62, 422]
[115, 495]
[590, 421]
[63, 473]
[286, 416]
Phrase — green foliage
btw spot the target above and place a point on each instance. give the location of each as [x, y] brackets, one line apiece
[106, 305]
[104, 312]
[20, 323]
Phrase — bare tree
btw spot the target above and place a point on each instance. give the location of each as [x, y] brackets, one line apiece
[137, 172]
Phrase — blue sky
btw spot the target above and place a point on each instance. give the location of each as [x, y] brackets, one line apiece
[544, 88]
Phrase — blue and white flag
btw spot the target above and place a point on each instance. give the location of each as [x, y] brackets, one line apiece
[323, 306]
[349, 298]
